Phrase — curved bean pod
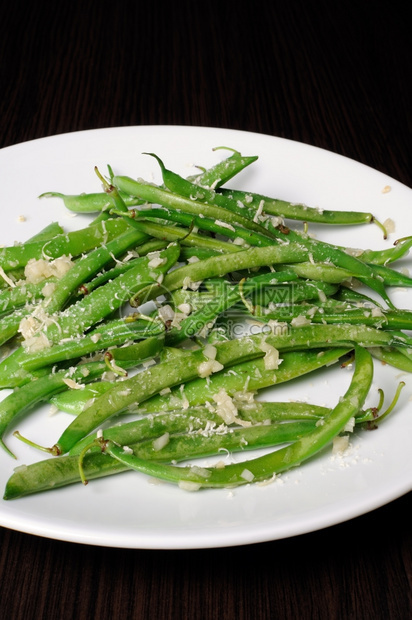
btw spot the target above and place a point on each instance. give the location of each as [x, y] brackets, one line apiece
[264, 467]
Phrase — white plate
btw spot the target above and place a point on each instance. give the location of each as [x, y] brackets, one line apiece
[128, 511]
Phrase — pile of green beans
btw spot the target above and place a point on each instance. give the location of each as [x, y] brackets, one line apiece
[182, 303]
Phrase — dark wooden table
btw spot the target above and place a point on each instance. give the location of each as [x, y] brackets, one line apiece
[319, 73]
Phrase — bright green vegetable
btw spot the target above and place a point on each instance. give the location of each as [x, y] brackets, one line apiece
[245, 269]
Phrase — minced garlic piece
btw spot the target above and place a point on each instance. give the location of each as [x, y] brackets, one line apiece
[340, 444]
[389, 225]
[210, 352]
[40, 269]
[247, 475]
[72, 384]
[206, 369]
[188, 283]
[48, 289]
[271, 359]
[186, 485]
[226, 408]
[156, 260]
[300, 321]
[35, 343]
[161, 442]
[350, 425]
[185, 308]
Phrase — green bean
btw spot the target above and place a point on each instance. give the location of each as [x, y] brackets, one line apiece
[110, 334]
[72, 244]
[87, 311]
[384, 257]
[232, 231]
[263, 467]
[42, 387]
[195, 192]
[185, 236]
[24, 292]
[220, 298]
[224, 170]
[220, 265]
[156, 195]
[147, 383]
[104, 300]
[320, 251]
[209, 442]
[90, 203]
[393, 357]
[26, 397]
[46, 233]
[235, 200]
[387, 319]
[299, 211]
[249, 376]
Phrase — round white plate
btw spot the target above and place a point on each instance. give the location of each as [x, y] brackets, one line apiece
[128, 510]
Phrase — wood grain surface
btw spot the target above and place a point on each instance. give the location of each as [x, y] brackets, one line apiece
[320, 73]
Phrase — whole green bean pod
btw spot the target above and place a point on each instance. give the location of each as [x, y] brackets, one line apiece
[232, 231]
[238, 201]
[41, 388]
[72, 243]
[223, 171]
[263, 467]
[221, 297]
[88, 311]
[112, 333]
[101, 302]
[299, 211]
[249, 376]
[386, 319]
[156, 195]
[24, 292]
[142, 386]
[90, 203]
[185, 236]
[220, 265]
